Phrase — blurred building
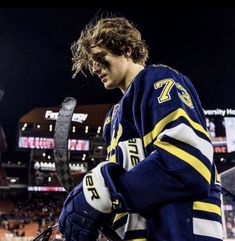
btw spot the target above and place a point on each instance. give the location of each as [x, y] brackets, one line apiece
[86, 147]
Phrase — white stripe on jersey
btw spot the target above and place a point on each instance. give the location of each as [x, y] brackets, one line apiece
[186, 134]
[207, 228]
[134, 222]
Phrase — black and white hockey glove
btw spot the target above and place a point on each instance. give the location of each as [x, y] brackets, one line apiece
[91, 202]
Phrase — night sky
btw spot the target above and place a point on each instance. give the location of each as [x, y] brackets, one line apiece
[35, 58]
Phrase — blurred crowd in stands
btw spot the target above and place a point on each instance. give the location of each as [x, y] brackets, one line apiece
[15, 217]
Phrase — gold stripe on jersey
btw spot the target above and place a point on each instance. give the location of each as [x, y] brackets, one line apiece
[114, 140]
[208, 207]
[107, 121]
[186, 157]
[112, 158]
[119, 216]
[109, 149]
[148, 138]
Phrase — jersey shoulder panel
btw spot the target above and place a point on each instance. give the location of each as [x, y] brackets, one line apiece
[160, 86]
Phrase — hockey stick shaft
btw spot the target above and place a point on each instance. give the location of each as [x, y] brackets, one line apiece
[61, 135]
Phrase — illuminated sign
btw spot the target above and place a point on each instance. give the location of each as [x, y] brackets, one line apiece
[220, 145]
[229, 124]
[220, 124]
[45, 189]
[220, 149]
[221, 112]
[50, 166]
[77, 117]
[48, 143]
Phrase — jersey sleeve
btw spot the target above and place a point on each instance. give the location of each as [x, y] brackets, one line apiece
[177, 167]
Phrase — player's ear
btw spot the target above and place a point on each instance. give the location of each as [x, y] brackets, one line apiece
[128, 51]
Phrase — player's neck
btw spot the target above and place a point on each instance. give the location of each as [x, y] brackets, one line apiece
[133, 71]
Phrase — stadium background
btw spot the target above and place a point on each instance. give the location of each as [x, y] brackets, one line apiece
[36, 77]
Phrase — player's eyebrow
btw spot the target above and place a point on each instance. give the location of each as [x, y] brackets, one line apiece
[98, 55]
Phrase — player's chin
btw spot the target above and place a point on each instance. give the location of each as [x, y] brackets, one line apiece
[109, 86]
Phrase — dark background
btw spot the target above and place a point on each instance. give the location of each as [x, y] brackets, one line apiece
[35, 58]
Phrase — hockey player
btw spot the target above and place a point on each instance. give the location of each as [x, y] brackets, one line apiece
[160, 182]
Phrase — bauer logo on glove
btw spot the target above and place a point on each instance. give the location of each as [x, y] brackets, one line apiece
[90, 187]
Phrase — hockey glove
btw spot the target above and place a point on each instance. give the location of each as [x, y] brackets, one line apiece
[91, 202]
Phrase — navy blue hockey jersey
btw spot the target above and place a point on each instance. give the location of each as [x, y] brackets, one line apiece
[157, 132]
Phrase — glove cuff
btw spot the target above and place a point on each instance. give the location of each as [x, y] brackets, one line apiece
[101, 189]
[112, 173]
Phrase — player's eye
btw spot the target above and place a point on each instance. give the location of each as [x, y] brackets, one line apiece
[101, 60]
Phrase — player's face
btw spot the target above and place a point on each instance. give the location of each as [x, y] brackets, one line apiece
[110, 68]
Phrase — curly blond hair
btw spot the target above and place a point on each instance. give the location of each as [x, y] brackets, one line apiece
[116, 34]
